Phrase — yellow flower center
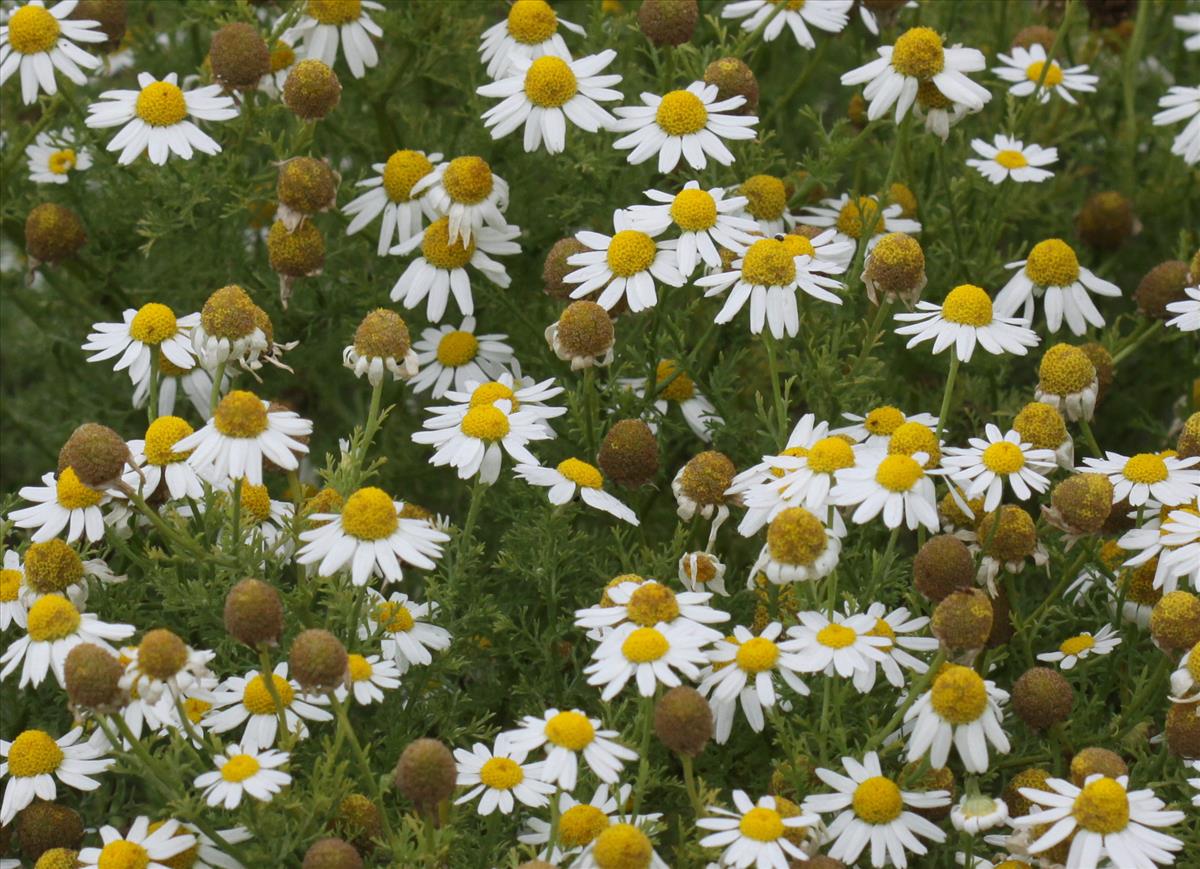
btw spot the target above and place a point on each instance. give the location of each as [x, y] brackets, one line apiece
[549, 82]
[877, 800]
[768, 263]
[1193, 664]
[32, 30]
[958, 695]
[767, 196]
[929, 97]
[681, 113]
[239, 768]
[1041, 425]
[439, 252]
[681, 387]
[73, 494]
[836, 636]
[571, 730]
[468, 180]
[161, 437]
[282, 56]
[918, 53]
[256, 697]
[694, 209]
[793, 5]
[581, 473]
[1054, 74]
[1145, 468]
[402, 170]
[32, 753]
[360, 668]
[757, 655]
[501, 773]
[183, 860]
[883, 420]
[10, 584]
[457, 348]
[491, 392]
[1065, 370]
[370, 514]
[1003, 458]
[255, 504]
[1102, 806]
[796, 536]
[630, 252]
[195, 709]
[531, 22]
[762, 825]
[52, 566]
[883, 629]
[1052, 263]
[394, 617]
[486, 423]
[123, 854]
[830, 454]
[161, 104]
[334, 11]
[898, 473]
[651, 603]
[62, 162]
[969, 305]
[1076, 645]
[1011, 159]
[580, 824]
[51, 618]
[153, 324]
[645, 645]
[241, 414]
[622, 846]
[798, 245]
[859, 213]
[915, 437]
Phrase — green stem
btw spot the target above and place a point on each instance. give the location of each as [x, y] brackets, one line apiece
[918, 688]
[176, 538]
[237, 516]
[813, 60]
[1147, 331]
[941, 423]
[152, 402]
[360, 757]
[554, 818]
[689, 782]
[647, 719]
[590, 409]
[871, 336]
[777, 400]
[1090, 438]
[215, 396]
[369, 430]
[1129, 92]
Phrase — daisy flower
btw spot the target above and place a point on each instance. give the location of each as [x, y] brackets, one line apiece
[959, 709]
[673, 386]
[498, 776]
[1053, 270]
[828, 15]
[647, 603]
[842, 644]
[650, 655]
[898, 486]
[369, 677]
[990, 462]
[441, 269]
[974, 814]
[871, 809]
[1187, 311]
[1173, 538]
[706, 220]
[1026, 68]
[134, 342]
[208, 854]
[247, 700]
[1189, 23]
[323, 22]
[965, 318]
[935, 110]
[37, 41]
[757, 834]
[35, 759]
[626, 263]
[571, 476]
[684, 123]
[521, 392]
[918, 56]
[474, 441]
[373, 536]
[155, 119]
[468, 193]
[875, 429]
[701, 571]
[530, 31]
[802, 475]
[1012, 158]
[390, 193]
[455, 357]
[242, 770]
[799, 548]
[54, 626]
[895, 627]
[610, 848]
[1177, 104]
[52, 157]
[157, 463]
[579, 824]
[852, 217]
[1169, 480]
[1072, 651]
[742, 669]
[146, 844]
[54, 567]
[242, 432]
[400, 625]
[566, 736]
[12, 607]
[381, 346]
[545, 93]
[1106, 820]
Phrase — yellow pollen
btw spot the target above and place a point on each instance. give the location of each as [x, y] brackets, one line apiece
[836, 636]
[161, 104]
[334, 11]
[468, 180]
[257, 699]
[360, 668]
[798, 245]
[645, 645]
[1065, 370]
[694, 209]
[877, 800]
[857, 214]
[581, 473]
[793, 5]
[898, 473]
[1078, 644]
[883, 629]
[768, 263]
[282, 56]
[489, 393]
[1052, 263]
[681, 113]
[1054, 75]
[767, 196]
[402, 170]
[123, 854]
[486, 423]
[549, 82]
[394, 617]
[52, 566]
[883, 420]
[62, 162]
[1011, 159]
[195, 708]
[457, 348]
[757, 655]
[969, 305]
[72, 494]
[914, 437]
[1193, 664]
[1041, 424]
[241, 414]
[1003, 458]
[239, 768]
[32, 30]
[161, 436]
[762, 825]
[681, 387]
[794, 452]
[255, 503]
[153, 324]
[652, 603]
[370, 514]
[958, 695]
[580, 824]
[918, 53]
[796, 537]
[51, 618]
[830, 454]
[929, 97]
[32, 753]
[630, 252]
[622, 846]
[1102, 806]
[531, 22]
[10, 584]
[1145, 468]
[502, 774]
[439, 252]
[571, 730]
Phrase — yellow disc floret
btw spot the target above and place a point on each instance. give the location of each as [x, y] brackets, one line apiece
[241, 414]
[581, 473]
[161, 437]
[468, 180]
[73, 494]
[918, 53]
[796, 537]
[958, 695]
[239, 768]
[61, 162]
[645, 645]
[335, 12]
[767, 196]
[581, 824]
[798, 245]
[370, 514]
[757, 655]
[1003, 458]
[877, 800]
[531, 22]
[256, 697]
[694, 209]
[402, 170]
[1077, 645]
[51, 618]
[622, 846]
[681, 113]
[571, 730]
[761, 824]
[836, 636]
[123, 854]
[1011, 159]
[857, 214]
[898, 473]
[360, 668]
[1053, 75]
[914, 437]
[549, 82]
[651, 603]
[1102, 806]
[969, 305]
[32, 30]
[486, 422]
[630, 252]
[493, 391]
[1065, 370]
[153, 324]
[439, 252]
[768, 263]
[457, 348]
[680, 388]
[1052, 263]
[161, 104]
[32, 753]
[255, 504]
[394, 617]
[830, 454]
[1145, 468]
[883, 629]
[501, 773]
[883, 421]
[10, 584]
[51, 566]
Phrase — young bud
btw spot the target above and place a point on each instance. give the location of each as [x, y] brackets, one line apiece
[331, 854]
[96, 453]
[963, 619]
[1183, 729]
[92, 676]
[161, 654]
[318, 660]
[941, 566]
[1106, 220]
[53, 233]
[311, 90]
[1033, 778]
[733, 79]
[254, 613]
[1175, 621]
[58, 858]
[683, 721]
[1162, 285]
[1089, 761]
[1034, 34]
[668, 22]
[1188, 444]
[43, 826]
[426, 773]
[359, 820]
[112, 15]
[629, 453]
[556, 267]
[1042, 697]
[239, 56]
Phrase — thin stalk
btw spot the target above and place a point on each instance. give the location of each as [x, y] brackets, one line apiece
[689, 782]
[360, 756]
[155, 375]
[941, 424]
[777, 401]
[369, 430]
[1090, 438]
[647, 719]
[1147, 331]
[215, 396]
[871, 336]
